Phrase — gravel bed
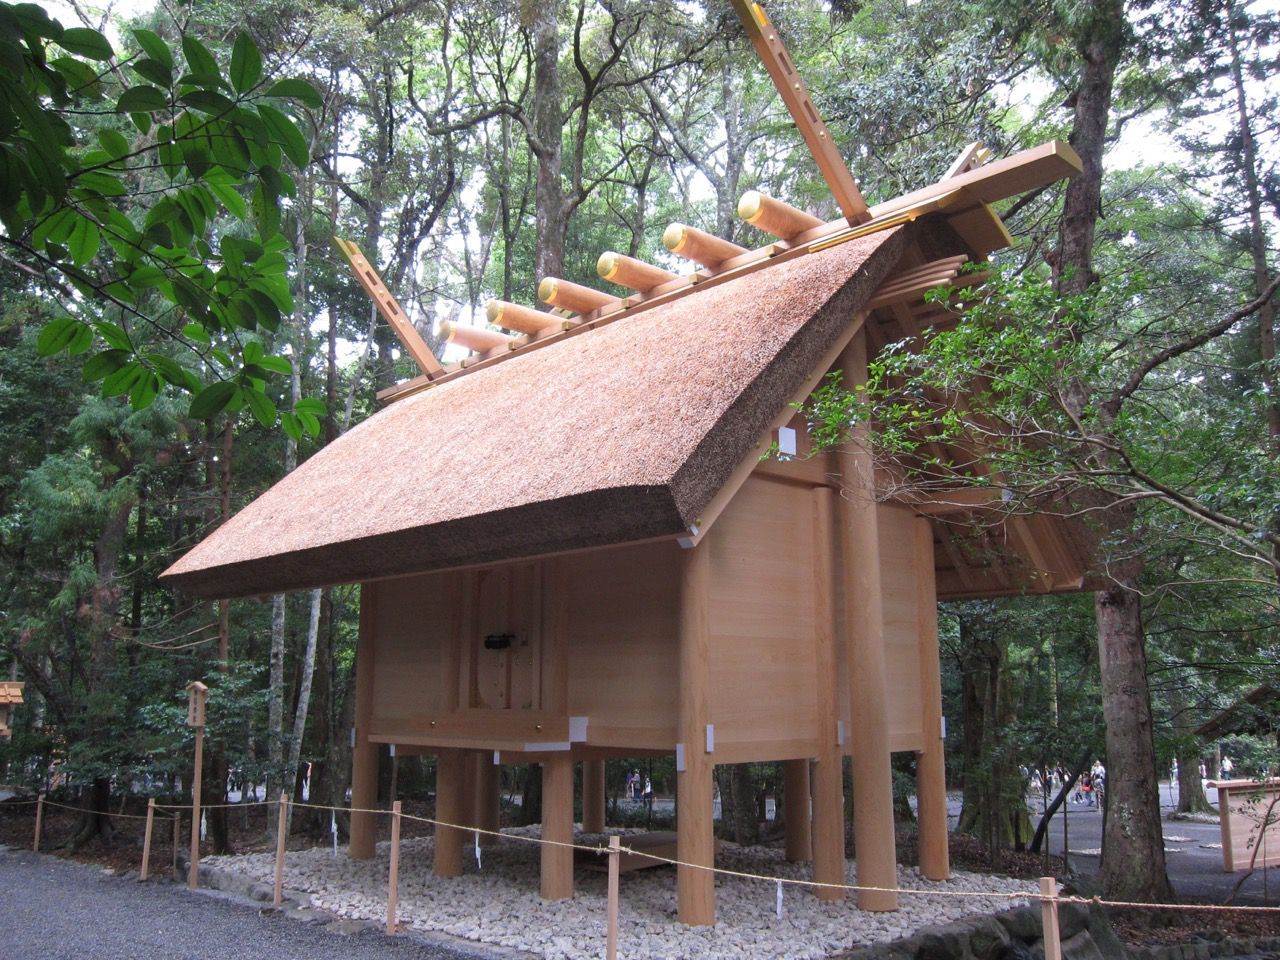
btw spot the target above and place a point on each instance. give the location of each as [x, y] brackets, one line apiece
[499, 903]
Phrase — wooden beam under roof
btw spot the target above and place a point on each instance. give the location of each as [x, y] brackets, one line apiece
[775, 59]
[390, 309]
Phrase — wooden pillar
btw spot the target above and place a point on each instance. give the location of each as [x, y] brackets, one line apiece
[864, 623]
[695, 843]
[795, 798]
[487, 812]
[449, 809]
[593, 796]
[557, 825]
[827, 783]
[931, 775]
[364, 755]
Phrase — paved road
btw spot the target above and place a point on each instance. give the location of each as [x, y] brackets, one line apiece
[52, 909]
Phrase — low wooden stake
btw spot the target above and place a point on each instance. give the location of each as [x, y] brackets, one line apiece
[146, 840]
[611, 943]
[177, 839]
[35, 844]
[282, 832]
[193, 869]
[1049, 918]
[394, 879]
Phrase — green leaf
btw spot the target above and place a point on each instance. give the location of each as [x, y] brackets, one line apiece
[113, 334]
[221, 188]
[199, 60]
[113, 142]
[147, 276]
[311, 405]
[57, 335]
[124, 379]
[193, 331]
[310, 424]
[246, 63]
[81, 77]
[142, 99]
[104, 364]
[84, 241]
[275, 364]
[207, 101]
[287, 134]
[86, 43]
[292, 88]
[154, 47]
[263, 409]
[145, 391]
[212, 400]
[154, 71]
[292, 426]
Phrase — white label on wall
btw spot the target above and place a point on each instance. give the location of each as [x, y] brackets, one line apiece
[787, 441]
[679, 758]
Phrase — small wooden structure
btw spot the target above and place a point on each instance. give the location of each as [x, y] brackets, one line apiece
[571, 547]
[10, 697]
[1249, 814]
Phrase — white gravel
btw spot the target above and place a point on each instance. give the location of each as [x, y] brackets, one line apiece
[499, 904]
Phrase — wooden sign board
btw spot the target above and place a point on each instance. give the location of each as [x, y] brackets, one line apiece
[1250, 819]
[197, 692]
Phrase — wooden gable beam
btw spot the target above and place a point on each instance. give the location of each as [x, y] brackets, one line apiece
[792, 90]
[390, 309]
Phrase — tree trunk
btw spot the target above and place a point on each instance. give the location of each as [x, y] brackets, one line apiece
[549, 200]
[1191, 798]
[304, 690]
[742, 783]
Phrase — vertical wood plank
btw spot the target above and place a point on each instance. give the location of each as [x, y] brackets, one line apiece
[593, 796]
[557, 826]
[364, 756]
[695, 843]
[35, 843]
[282, 835]
[393, 877]
[146, 839]
[827, 784]
[931, 776]
[864, 619]
[197, 781]
[798, 845]
[447, 861]
[487, 813]
[1049, 919]
[611, 937]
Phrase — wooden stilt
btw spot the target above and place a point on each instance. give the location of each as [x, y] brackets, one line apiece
[864, 619]
[35, 843]
[827, 778]
[193, 868]
[364, 755]
[488, 796]
[1049, 919]
[931, 776]
[470, 814]
[795, 798]
[282, 835]
[593, 796]
[695, 842]
[393, 878]
[449, 809]
[146, 839]
[611, 938]
[557, 826]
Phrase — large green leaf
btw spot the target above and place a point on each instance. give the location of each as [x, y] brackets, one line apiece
[292, 88]
[246, 63]
[60, 334]
[263, 409]
[84, 241]
[199, 60]
[287, 134]
[86, 43]
[154, 47]
[141, 99]
[208, 101]
[212, 400]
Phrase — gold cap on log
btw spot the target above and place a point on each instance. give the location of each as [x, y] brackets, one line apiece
[572, 296]
[699, 246]
[774, 216]
[631, 273]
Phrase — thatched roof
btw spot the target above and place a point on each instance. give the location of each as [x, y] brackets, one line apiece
[622, 433]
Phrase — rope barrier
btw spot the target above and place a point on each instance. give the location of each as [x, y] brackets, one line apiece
[67, 806]
[602, 850]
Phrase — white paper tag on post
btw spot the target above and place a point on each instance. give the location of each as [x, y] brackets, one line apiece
[779, 899]
[477, 838]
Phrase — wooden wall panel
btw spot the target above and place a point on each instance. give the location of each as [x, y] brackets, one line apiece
[620, 623]
[901, 624]
[761, 617]
[414, 619]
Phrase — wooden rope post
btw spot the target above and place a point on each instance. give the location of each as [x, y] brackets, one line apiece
[282, 833]
[611, 942]
[35, 844]
[177, 839]
[394, 879]
[146, 840]
[1049, 918]
[193, 870]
